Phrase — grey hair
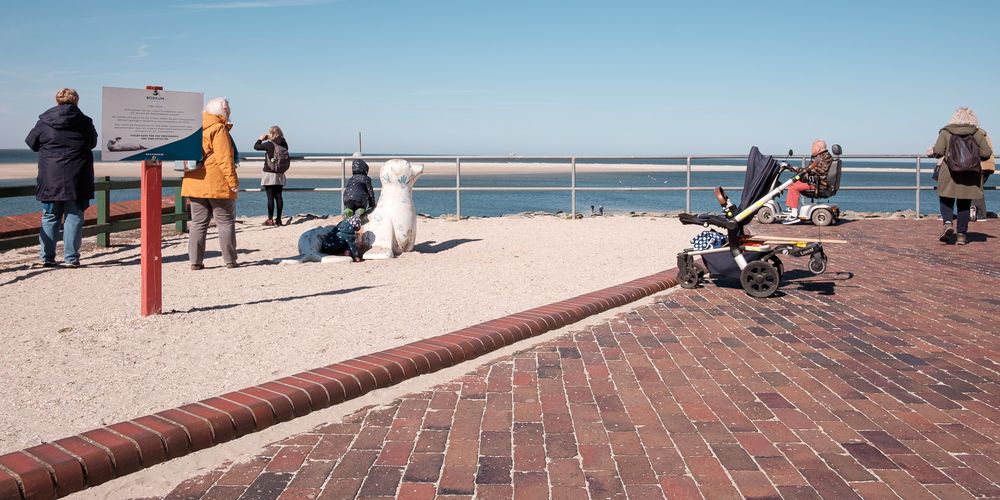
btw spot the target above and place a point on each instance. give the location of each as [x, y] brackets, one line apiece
[821, 142]
[67, 96]
[964, 116]
[217, 106]
[274, 133]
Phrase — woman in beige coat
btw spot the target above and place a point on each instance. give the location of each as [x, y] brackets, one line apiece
[212, 189]
[959, 187]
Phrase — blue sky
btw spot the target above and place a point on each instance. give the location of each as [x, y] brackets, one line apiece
[528, 77]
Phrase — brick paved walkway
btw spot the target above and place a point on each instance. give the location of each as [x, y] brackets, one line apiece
[25, 224]
[883, 384]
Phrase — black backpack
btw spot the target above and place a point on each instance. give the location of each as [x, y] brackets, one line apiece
[279, 161]
[963, 154]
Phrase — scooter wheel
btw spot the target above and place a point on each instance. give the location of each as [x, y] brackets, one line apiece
[822, 217]
[760, 279]
[765, 215]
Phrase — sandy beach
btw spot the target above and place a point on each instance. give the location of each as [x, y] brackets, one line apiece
[78, 355]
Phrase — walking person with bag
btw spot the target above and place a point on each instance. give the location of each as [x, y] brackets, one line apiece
[212, 188]
[276, 163]
[962, 146]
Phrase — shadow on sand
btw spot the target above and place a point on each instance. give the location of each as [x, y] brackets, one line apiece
[431, 247]
[268, 301]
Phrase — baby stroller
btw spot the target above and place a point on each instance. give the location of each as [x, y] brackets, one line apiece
[753, 261]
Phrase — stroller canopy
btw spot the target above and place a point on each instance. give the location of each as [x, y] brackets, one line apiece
[761, 171]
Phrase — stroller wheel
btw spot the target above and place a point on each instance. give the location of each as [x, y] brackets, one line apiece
[822, 217]
[692, 277]
[817, 263]
[765, 215]
[760, 279]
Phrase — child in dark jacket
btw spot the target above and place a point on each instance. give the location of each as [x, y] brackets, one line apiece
[359, 195]
[344, 238]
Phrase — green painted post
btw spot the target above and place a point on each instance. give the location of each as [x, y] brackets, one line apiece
[104, 212]
[181, 224]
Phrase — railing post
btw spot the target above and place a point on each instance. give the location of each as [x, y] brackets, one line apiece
[458, 189]
[181, 224]
[573, 188]
[343, 180]
[687, 191]
[918, 186]
[104, 212]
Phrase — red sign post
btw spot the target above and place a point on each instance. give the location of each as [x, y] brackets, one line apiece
[151, 231]
[151, 126]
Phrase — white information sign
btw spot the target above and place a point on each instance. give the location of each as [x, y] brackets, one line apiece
[143, 124]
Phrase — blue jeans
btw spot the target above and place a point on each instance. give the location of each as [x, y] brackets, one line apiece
[53, 213]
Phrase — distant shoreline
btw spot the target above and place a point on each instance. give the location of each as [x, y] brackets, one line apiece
[324, 169]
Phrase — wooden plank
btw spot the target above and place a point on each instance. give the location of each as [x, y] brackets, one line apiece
[785, 240]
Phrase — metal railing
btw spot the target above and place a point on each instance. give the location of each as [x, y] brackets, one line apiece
[572, 162]
[104, 226]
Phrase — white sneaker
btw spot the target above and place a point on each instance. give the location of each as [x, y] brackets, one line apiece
[793, 220]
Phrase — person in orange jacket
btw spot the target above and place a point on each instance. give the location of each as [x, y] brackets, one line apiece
[212, 188]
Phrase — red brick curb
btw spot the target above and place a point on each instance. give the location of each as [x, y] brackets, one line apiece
[78, 462]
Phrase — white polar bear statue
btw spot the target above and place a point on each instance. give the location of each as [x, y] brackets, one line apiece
[392, 226]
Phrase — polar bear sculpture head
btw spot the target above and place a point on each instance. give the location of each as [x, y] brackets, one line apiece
[400, 172]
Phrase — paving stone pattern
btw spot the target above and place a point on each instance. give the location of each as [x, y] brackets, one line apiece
[878, 383]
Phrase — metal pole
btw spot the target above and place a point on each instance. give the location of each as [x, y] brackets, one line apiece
[458, 189]
[687, 204]
[573, 188]
[359, 142]
[343, 181]
[918, 186]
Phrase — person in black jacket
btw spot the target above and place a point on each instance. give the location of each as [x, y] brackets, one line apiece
[344, 239]
[63, 139]
[359, 195]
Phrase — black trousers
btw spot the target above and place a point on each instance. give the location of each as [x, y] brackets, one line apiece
[947, 215]
[274, 200]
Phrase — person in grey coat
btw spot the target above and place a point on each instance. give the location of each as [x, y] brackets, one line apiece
[959, 188]
[63, 139]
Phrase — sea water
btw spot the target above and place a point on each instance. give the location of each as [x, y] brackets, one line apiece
[496, 203]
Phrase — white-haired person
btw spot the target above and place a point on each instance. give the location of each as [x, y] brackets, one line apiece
[63, 137]
[212, 189]
[960, 178]
[819, 169]
[276, 163]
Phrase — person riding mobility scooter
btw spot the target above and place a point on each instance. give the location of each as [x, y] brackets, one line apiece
[738, 255]
[820, 214]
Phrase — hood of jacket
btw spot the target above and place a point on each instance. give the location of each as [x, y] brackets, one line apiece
[963, 129]
[65, 117]
[359, 167]
[209, 120]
